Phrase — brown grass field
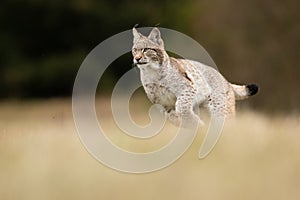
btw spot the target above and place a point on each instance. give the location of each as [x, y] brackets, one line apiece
[41, 157]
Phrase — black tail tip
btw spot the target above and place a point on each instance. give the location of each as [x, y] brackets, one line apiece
[252, 89]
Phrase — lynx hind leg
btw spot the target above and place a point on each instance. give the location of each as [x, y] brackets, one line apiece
[230, 104]
[222, 105]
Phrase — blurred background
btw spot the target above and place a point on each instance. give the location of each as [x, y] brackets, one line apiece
[44, 42]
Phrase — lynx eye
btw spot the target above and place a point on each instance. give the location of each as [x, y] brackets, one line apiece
[148, 49]
[154, 50]
[145, 49]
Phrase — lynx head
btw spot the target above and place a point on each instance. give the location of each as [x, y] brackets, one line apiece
[148, 51]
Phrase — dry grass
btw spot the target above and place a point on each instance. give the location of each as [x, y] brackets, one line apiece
[41, 157]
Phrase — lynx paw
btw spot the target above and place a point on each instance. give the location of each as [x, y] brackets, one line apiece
[189, 120]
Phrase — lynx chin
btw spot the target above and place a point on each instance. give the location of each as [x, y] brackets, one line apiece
[181, 86]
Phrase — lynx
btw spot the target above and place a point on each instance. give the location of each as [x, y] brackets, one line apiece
[181, 86]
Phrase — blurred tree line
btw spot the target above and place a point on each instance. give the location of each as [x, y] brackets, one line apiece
[43, 42]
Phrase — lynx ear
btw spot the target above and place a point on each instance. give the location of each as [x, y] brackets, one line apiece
[136, 35]
[155, 37]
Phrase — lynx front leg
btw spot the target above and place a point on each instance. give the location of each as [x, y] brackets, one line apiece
[184, 110]
[173, 117]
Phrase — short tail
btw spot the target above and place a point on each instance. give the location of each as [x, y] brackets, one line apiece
[244, 91]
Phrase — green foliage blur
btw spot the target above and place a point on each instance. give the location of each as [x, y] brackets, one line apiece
[43, 42]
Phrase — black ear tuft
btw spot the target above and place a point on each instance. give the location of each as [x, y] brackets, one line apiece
[252, 89]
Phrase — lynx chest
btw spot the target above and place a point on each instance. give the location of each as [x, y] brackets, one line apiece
[157, 87]
[160, 94]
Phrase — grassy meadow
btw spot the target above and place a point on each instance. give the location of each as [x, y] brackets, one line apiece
[41, 157]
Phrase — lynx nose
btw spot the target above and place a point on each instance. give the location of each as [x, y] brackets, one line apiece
[138, 58]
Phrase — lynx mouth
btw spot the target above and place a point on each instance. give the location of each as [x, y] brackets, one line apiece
[141, 63]
[138, 62]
